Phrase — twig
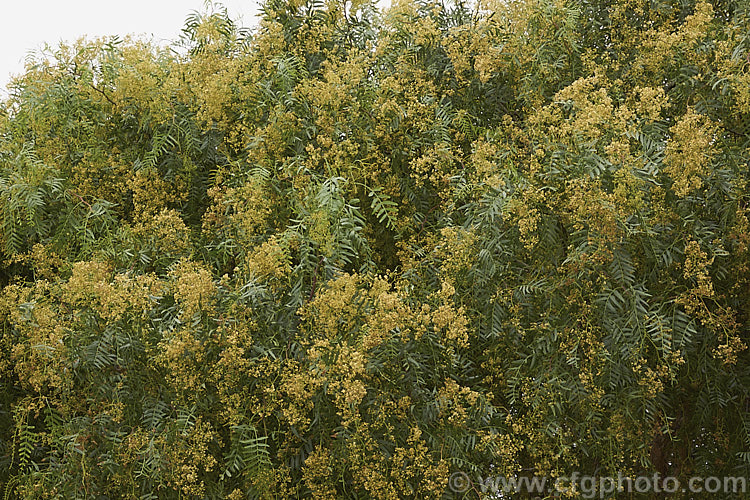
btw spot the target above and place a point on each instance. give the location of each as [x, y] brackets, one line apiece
[421, 227]
[80, 198]
[315, 278]
[102, 93]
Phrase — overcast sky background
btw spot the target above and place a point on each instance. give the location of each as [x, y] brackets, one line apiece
[28, 24]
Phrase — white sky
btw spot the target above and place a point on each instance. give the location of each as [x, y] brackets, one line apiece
[25, 25]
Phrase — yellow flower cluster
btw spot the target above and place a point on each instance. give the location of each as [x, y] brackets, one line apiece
[728, 351]
[414, 464]
[334, 311]
[152, 193]
[41, 360]
[449, 321]
[181, 355]
[189, 457]
[454, 401]
[92, 284]
[193, 288]
[145, 79]
[166, 231]
[456, 251]
[317, 473]
[269, 261]
[696, 267]
[659, 45]
[387, 314]
[689, 152]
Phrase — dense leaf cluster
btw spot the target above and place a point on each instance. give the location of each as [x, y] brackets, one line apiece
[352, 252]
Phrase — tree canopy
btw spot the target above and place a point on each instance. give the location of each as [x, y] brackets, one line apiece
[351, 252]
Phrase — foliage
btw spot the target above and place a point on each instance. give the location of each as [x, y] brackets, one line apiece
[352, 252]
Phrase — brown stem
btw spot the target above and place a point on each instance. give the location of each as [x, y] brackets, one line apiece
[315, 278]
[80, 198]
[102, 93]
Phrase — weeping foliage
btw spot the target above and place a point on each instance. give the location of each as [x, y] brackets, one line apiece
[351, 252]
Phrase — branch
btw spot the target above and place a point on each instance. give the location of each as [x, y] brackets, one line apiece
[421, 227]
[102, 93]
[315, 279]
[732, 131]
[80, 198]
